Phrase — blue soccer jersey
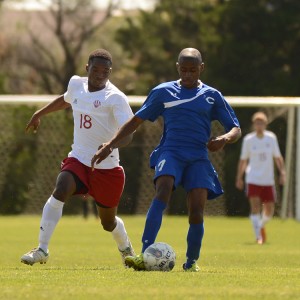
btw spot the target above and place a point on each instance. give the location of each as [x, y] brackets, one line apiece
[187, 115]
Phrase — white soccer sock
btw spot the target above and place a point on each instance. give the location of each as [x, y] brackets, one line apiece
[52, 213]
[256, 223]
[265, 219]
[120, 235]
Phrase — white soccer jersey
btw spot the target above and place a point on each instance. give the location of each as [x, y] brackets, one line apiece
[260, 153]
[97, 117]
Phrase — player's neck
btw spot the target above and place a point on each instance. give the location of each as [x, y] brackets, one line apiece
[260, 134]
[92, 88]
[199, 83]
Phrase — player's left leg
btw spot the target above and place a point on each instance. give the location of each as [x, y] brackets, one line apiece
[267, 214]
[268, 197]
[196, 200]
[106, 187]
[201, 182]
[111, 223]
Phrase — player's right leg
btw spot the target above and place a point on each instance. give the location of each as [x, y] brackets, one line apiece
[164, 186]
[168, 171]
[152, 226]
[255, 211]
[52, 212]
[36, 255]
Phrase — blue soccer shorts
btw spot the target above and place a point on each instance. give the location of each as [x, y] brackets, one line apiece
[190, 174]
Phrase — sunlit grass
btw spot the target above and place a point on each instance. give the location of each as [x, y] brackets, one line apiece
[85, 264]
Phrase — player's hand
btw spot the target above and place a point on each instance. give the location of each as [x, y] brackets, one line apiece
[33, 124]
[239, 183]
[103, 151]
[282, 178]
[216, 143]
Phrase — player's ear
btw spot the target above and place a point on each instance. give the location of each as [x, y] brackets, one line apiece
[202, 67]
[177, 66]
[87, 67]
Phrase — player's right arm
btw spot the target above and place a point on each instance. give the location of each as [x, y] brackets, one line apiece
[57, 104]
[239, 182]
[150, 110]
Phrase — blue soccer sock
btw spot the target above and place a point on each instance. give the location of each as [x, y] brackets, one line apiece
[194, 241]
[153, 223]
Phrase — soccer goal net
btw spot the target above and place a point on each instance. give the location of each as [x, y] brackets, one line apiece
[30, 163]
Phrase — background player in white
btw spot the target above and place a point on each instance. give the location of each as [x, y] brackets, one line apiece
[187, 106]
[99, 109]
[259, 150]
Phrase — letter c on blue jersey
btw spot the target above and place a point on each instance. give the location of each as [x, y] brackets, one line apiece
[210, 100]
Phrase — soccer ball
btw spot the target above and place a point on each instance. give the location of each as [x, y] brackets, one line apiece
[159, 257]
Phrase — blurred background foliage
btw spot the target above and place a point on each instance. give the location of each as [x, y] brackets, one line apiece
[250, 48]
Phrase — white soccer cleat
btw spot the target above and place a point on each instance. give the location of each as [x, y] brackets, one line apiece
[127, 252]
[34, 256]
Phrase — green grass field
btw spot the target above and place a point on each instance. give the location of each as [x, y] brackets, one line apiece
[85, 264]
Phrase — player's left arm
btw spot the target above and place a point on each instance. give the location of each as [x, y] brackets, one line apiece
[105, 149]
[216, 143]
[279, 161]
[224, 113]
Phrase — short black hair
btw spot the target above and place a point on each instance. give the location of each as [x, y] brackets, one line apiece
[100, 53]
[190, 53]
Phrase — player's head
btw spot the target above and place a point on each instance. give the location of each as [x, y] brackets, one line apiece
[100, 54]
[260, 116]
[189, 67]
[259, 121]
[99, 68]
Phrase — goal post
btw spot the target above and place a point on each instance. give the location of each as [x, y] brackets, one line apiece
[290, 104]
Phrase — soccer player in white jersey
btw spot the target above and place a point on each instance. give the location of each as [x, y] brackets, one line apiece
[99, 109]
[259, 150]
[187, 106]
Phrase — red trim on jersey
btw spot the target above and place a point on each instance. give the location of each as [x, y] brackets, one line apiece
[104, 185]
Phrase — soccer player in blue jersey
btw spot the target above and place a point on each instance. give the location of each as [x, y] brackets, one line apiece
[187, 106]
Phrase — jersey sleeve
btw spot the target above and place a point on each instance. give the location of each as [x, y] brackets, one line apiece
[153, 106]
[68, 95]
[224, 113]
[276, 149]
[122, 110]
[245, 153]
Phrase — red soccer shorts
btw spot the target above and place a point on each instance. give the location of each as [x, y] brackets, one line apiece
[265, 193]
[104, 185]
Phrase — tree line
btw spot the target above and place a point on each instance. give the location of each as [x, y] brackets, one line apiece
[249, 47]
